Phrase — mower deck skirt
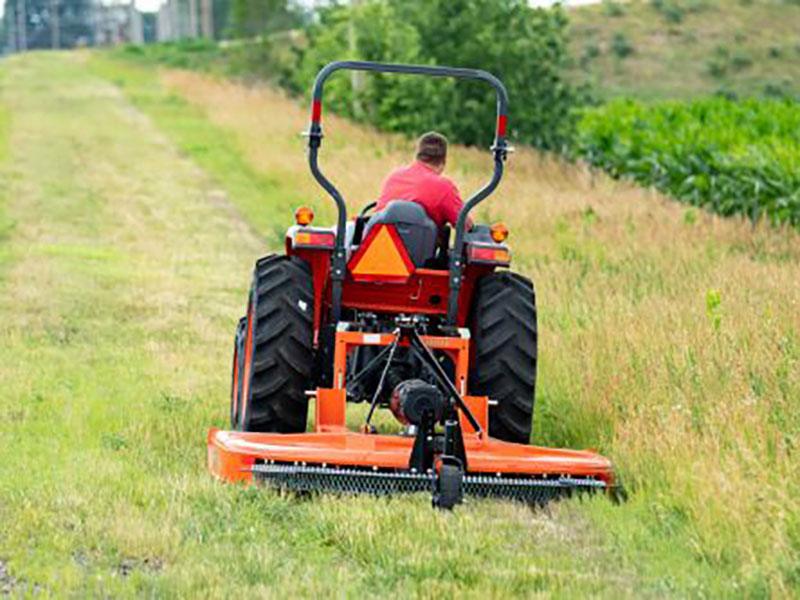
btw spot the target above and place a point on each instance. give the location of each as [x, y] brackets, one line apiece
[237, 456]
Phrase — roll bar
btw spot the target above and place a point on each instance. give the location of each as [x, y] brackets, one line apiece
[499, 150]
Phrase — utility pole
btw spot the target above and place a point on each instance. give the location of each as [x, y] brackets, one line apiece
[207, 19]
[55, 26]
[12, 28]
[22, 27]
[95, 24]
[356, 77]
[135, 26]
[163, 25]
[192, 18]
[176, 23]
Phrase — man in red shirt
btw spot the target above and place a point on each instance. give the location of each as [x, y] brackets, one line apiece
[422, 182]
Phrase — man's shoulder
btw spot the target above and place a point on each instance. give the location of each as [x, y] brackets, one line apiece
[447, 185]
[441, 181]
[399, 172]
[448, 182]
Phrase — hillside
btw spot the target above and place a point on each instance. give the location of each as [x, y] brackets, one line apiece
[134, 202]
[659, 49]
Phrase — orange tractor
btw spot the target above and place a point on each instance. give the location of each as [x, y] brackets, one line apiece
[384, 310]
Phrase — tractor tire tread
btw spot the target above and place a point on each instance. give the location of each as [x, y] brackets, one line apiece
[504, 330]
[283, 353]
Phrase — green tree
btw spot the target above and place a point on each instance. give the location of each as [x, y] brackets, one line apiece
[395, 103]
[525, 47]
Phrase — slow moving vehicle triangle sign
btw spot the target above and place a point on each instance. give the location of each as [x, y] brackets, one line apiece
[382, 257]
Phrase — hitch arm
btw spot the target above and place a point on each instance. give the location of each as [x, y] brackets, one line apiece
[426, 353]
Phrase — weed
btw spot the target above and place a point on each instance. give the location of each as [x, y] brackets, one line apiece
[713, 304]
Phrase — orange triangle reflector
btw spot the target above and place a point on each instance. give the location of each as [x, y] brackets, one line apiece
[381, 257]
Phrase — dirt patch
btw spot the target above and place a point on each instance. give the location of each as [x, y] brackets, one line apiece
[8, 583]
[127, 566]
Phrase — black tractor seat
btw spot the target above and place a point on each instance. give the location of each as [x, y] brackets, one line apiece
[417, 230]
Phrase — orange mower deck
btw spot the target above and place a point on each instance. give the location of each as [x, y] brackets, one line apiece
[332, 458]
[232, 455]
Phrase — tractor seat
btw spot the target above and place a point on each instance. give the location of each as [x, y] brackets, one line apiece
[417, 230]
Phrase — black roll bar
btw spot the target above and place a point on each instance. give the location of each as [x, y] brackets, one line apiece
[499, 150]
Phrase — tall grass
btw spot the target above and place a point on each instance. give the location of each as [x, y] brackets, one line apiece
[669, 339]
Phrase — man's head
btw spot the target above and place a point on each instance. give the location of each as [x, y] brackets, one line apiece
[432, 150]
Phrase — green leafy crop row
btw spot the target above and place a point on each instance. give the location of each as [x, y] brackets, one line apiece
[732, 157]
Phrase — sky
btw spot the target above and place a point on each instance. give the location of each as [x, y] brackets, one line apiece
[152, 5]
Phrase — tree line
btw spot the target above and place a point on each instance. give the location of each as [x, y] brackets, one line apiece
[526, 47]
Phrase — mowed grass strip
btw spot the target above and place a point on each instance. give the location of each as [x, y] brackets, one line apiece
[5, 224]
[127, 273]
[669, 340]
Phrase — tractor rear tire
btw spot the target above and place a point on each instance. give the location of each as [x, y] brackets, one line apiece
[278, 347]
[504, 332]
[236, 372]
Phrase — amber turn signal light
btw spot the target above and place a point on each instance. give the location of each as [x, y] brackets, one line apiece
[499, 232]
[303, 215]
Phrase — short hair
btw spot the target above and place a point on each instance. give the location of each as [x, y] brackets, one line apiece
[432, 148]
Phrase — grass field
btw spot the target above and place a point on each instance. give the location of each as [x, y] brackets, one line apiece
[680, 49]
[133, 203]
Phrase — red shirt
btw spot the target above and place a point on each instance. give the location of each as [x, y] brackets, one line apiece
[419, 183]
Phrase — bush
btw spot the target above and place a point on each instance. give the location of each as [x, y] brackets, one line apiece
[717, 68]
[670, 10]
[724, 61]
[611, 8]
[732, 157]
[621, 47]
[523, 46]
[741, 60]
[590, 52]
